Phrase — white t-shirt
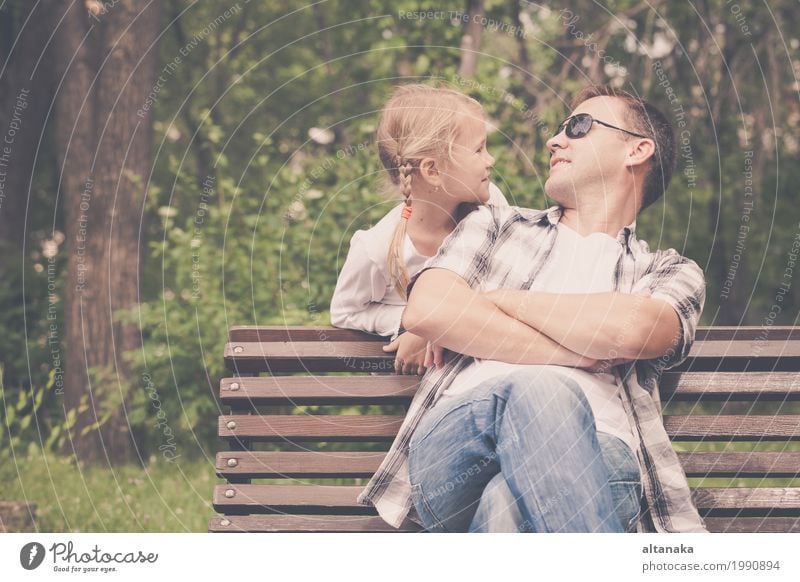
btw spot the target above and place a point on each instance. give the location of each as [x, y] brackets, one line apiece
[577, 265]
[365, 297]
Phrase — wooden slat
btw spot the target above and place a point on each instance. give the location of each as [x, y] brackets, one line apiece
[743, 355]
[753, 524]
[741, 464]
[392, 389]
[745, 348]
[361, 356]
[281, 357]
[326, 350]
[752, 333]
[747, 501]
[716, 348]
[307, 427]
[733, 427]
[307, 523]
[773, 386]
[298, 333]
[374, 524]
[341, 499]
[277, 464]
[260, 333]
[351, 464]
[301, 390]
[385, 427]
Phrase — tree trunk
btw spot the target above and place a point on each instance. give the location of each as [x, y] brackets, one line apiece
[106, 63]
[471, 41]
[25, 94]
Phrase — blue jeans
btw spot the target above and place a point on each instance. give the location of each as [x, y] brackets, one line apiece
[530, 437]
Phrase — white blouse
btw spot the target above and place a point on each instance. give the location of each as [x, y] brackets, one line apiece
[365, 297]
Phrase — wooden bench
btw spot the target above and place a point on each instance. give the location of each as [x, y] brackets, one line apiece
[746, 380]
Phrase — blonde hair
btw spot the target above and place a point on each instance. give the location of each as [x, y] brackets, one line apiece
[418, 121]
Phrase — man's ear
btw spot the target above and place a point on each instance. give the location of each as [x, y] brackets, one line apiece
[640, 151]
[429, 172]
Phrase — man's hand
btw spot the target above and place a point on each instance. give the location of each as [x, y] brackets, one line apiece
[411, 351]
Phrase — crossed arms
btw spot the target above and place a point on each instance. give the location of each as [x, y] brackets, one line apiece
[526, 327]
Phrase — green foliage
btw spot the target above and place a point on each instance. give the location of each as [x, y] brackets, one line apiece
[248, 217]
[26, 424]
[284, 206]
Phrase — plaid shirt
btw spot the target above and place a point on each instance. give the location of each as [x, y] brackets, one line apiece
[506, 248]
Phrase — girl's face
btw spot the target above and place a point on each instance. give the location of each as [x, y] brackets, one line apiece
[465, 177]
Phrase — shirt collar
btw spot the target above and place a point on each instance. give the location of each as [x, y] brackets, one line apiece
[553, 215]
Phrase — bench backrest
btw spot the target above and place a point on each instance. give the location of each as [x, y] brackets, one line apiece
[746, 380]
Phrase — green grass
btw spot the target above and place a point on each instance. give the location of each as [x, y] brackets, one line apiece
[164, 497]
[176, 497]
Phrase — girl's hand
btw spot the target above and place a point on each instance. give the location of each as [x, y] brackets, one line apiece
[410, 357]
[603, 366]
[434, 355]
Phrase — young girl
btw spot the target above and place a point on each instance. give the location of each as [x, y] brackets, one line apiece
[432, 142]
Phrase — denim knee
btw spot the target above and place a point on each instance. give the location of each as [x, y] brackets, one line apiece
[545, 388]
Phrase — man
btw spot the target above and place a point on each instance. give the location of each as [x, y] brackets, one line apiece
[561, 322]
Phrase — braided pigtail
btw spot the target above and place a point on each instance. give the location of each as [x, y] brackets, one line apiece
[397, 267]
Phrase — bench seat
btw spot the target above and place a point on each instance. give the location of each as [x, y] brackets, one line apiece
[330, 406]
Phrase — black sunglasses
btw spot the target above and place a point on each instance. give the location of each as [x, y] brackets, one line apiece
[579, 125]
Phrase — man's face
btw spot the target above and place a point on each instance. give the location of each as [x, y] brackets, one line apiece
[588, 166]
